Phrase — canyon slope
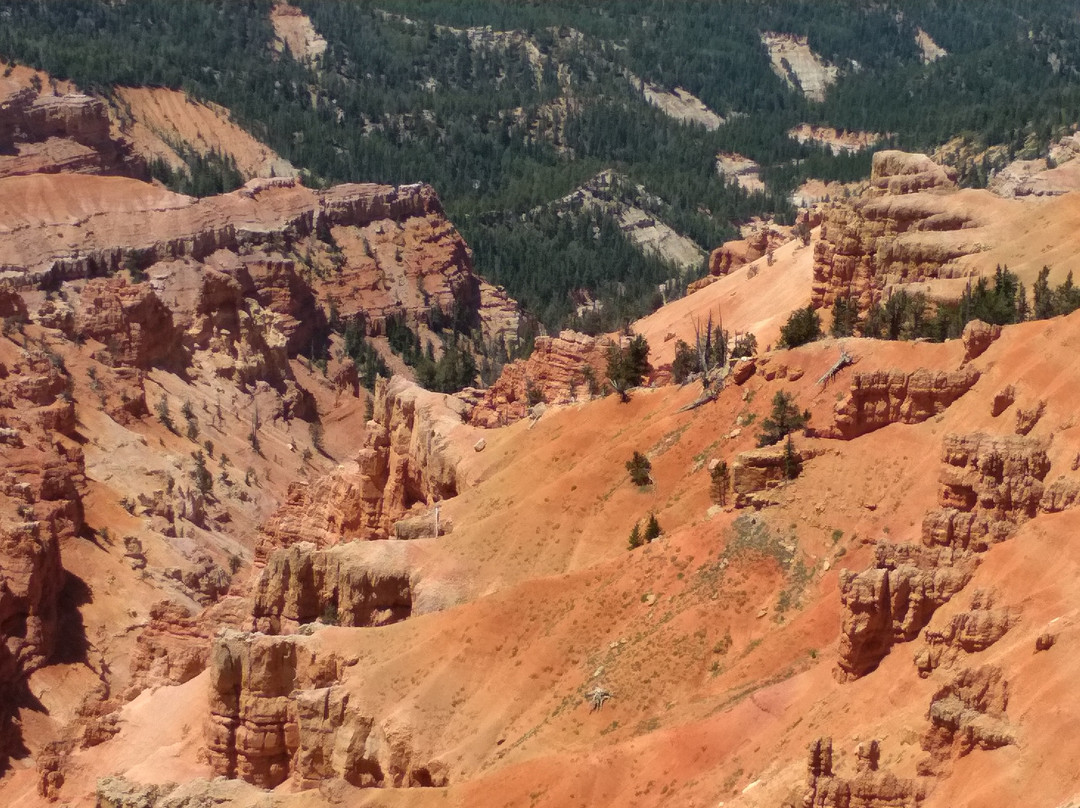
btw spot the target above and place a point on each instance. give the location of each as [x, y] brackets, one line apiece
[233, 576]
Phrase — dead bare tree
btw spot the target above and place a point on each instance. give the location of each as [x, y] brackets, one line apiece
[841, 363]
[711, 346]
[597, 696]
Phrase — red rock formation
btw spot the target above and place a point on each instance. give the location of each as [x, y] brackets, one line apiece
[175, 645]
[251, 679]
[41, 468]
[754, 473]
[379, 754]
[132, 322]
[870, 788]
[172, 649]
[734, 254]
[346, 585]
[861, 250]
[276, 711]
[556, 373]
[990, 484]
[967, 714]
[412, 264]
[895, 173]
[966, 633]
[324, 512]
[977, 337]
[893, 601]
[882, 397]
[406, 460]
[42, 132]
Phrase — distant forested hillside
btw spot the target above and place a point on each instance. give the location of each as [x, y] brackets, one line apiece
[504, 123]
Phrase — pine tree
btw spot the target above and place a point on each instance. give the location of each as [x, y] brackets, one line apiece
[639, 468]
[652, 529]
[792, 464]
[784, 419]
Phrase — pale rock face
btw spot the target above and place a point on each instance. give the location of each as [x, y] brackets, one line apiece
[294, 30]
[802, 69]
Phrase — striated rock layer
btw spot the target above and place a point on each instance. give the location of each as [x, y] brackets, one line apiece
[49, 131]
[882, 238]
[883, 397]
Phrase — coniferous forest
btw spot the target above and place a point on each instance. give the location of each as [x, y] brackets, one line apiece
[504, 125]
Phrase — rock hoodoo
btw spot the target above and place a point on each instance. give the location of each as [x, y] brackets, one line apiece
[880, 239]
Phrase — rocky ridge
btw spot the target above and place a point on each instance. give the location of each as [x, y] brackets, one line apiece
[57, 129]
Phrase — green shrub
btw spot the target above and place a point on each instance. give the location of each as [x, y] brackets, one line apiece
[784, 419]
[639, 468]
[652, 529]
[803, 326]
[626, 367]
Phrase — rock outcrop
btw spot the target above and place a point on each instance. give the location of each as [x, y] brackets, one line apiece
[557, 372]
[131, 321]
[172, 649]
[967, 714]
[337, 740]
[734, 254]
[756, 472]
[893, 600]
[406, 461]
[252, 730]
[869, 788]
[977, 337]
[120, 792]
[966, 633]
[48, 131]
[392, 244]
[794, 62]
[351, 584]
[41, 471]
[881, 239]
[990, 485]
[882, 397]
[276, 711]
